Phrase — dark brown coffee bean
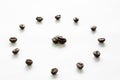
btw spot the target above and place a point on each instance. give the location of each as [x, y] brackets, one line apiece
[39, 19]
[55, 40]
[54, 71]
[57, 17]
[75, 19]
[80, 65]
[13, 39]
[61, 40]
[22, 26]
[59, 37]
[96, 54]
[93, 28]
[16, 50]
[101, 40]
[29, 62]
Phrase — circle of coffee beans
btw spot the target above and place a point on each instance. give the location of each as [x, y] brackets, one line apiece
[56, 40]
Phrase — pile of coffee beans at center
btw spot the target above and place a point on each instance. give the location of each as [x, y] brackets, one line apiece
[59, 39]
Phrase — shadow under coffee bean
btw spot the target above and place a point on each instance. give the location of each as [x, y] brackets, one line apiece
[58, 45]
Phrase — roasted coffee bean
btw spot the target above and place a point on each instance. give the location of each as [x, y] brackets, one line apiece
[29, 62]
[54, 71]
[16, 50]
[96, 54]
[80, 65]
[101, 40]
[93, 28]
[22, 26]
[57, 17]
[13, 39]
[75, 19]
[39, 19]
[61, 40]
[59, 37]
[55, 40]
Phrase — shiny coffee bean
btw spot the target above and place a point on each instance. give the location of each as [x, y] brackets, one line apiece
[16, 50]
[96, 54]
[57, 17]
[55, 40]
[22, 26]
[54, 71]
[76, 19]
[80, 65]
[93, 28]
[13, 39]
[101, 40]
[39, 19]
[61, 40]
[29, 62]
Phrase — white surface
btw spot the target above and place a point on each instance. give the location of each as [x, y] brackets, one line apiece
[35, 41]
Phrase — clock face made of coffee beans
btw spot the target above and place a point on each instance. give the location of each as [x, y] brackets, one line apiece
[59, 40]
[48, 53]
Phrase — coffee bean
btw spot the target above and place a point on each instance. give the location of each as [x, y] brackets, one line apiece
[59, 39]
[22, 26]
[57, 17]
[29, 62]
[16, 50]
[96, 54]
[80, 65]
[101, 40]
[55, 40]
[75, 19]
[13, 39]
[93, 28]
[54, 71]
[39, 19]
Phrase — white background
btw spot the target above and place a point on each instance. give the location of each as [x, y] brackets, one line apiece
[35, 41]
